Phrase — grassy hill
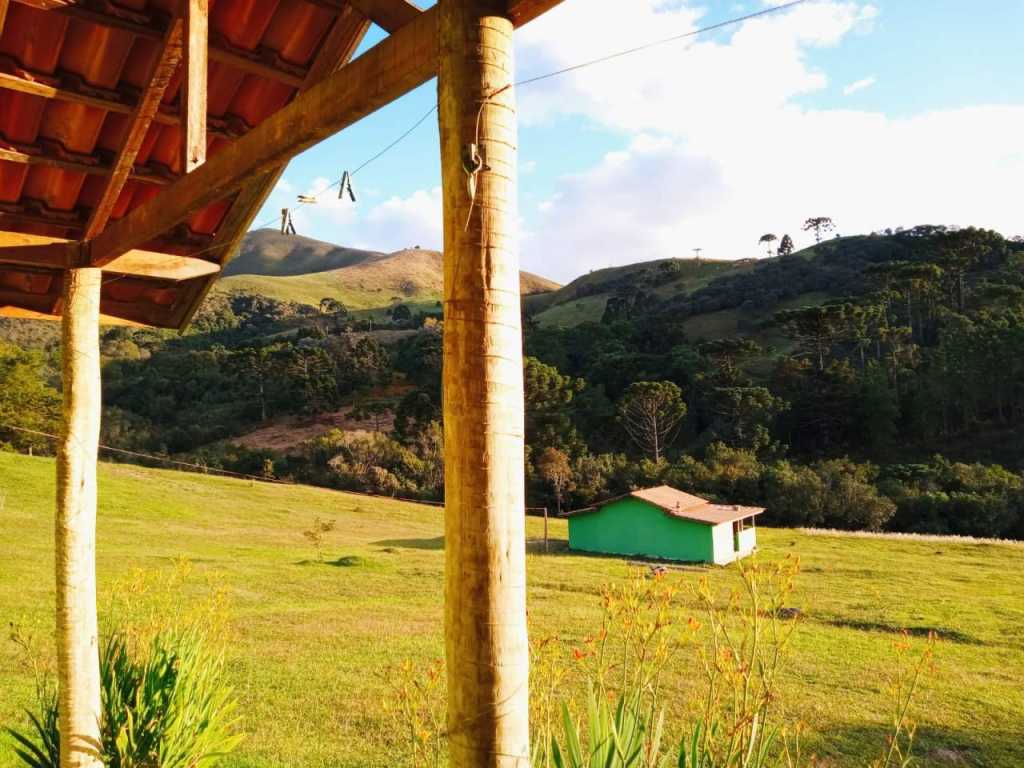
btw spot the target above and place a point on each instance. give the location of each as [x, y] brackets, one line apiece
[584, 299]
[309, 643]
[303, 270]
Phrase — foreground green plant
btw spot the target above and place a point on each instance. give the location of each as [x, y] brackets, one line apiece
[627, 735]
[167, 706]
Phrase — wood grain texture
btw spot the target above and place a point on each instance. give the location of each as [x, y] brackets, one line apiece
[52, 255]
[193, 85]
[485, 572]
[59, 253]
[147, 109]
[390, 69]
[78, 670]
[389, 15]
[524, 11]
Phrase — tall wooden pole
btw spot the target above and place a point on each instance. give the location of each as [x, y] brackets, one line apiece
[77, 633]
[485, 570]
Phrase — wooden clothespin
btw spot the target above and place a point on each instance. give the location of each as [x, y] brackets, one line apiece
[287, 226]
[307, 199]
[346, 186]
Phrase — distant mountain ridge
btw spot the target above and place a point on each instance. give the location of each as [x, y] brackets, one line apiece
[304, 270]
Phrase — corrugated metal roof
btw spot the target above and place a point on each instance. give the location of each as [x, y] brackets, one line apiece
[682, 505]
[69, 80]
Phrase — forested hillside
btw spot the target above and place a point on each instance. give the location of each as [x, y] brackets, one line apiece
[868, 382]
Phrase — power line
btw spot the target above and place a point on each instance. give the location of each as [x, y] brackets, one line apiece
[663, 41]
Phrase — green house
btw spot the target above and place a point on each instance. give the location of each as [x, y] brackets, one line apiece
[666, 524]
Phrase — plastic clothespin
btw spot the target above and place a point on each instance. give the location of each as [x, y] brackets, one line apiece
[346, 186]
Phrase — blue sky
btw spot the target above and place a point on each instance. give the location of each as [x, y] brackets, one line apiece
[885, 113]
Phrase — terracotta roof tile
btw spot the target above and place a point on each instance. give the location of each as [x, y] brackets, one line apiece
[103, 63]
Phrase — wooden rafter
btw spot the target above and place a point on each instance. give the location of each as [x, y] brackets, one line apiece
[153, 29]
[32, 87]
[387, 71]
[337, 50]
[392, 68]
[94, 169]
[23, 249]
[61, 254]
[193, 85]
[148, 107]
[524, 11]
[389, 15]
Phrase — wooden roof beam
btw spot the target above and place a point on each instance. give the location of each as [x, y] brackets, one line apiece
[20, 84]
[524, 11]
[193, 84]
[62, 254]
[387, 71]
[26, 250]
[389, 15]
[26, 158]
[148, 107]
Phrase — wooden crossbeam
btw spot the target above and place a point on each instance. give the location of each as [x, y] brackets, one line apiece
[61, 254]
[524, 11]
[193, 85]
[389, 15]
[28, 250]
[387, 71]
[148, 107]
[97, 169]
[32, 87]
[392, 68]
[6, 310]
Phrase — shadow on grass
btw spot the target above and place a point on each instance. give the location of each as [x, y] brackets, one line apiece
[347, 561]
[933, 747]
[943, 633]
[435, 543]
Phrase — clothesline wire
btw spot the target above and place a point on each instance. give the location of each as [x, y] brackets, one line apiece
[530, 81]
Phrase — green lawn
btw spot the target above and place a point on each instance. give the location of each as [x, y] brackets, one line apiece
[309, 641]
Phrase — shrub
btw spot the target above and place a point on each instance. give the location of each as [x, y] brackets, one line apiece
[165, 706]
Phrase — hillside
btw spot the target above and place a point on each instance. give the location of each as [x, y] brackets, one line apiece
[303, 270]
[584, 299]
[310, 644]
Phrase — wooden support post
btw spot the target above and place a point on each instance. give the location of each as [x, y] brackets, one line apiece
[77, 633]
[485, 558]
[545, 530]
[3, 14]
[193, 85]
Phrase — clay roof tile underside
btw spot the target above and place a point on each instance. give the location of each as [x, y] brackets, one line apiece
[62, 146]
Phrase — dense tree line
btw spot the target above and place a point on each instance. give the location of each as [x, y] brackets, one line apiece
[876, 382]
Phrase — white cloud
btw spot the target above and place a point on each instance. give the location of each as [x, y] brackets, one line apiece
[718, 150]
[395, 223]
[859, 85]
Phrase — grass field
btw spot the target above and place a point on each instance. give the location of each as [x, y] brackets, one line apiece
[309, 641]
